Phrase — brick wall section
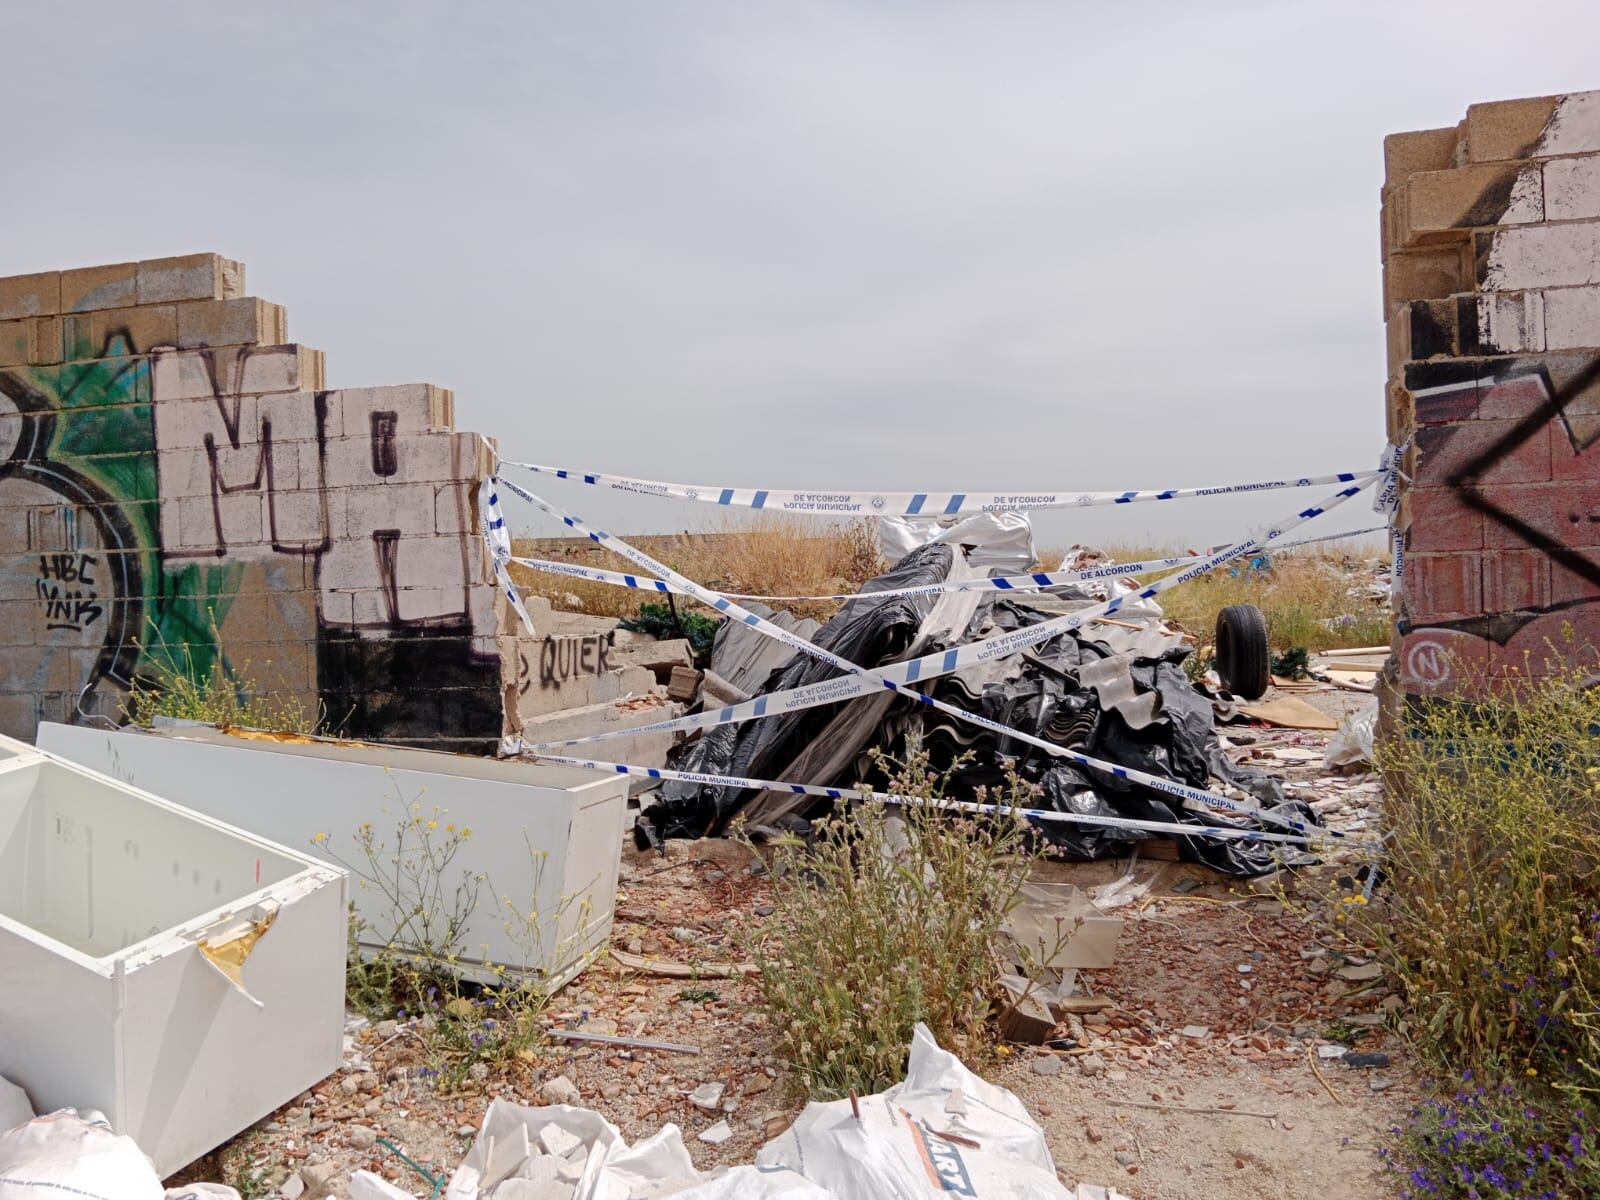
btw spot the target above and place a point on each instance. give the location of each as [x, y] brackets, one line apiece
[1491, 290]
[178, 486]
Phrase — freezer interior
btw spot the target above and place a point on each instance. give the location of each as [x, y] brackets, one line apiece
[93, 868]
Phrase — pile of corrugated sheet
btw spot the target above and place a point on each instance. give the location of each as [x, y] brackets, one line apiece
[1114, 690]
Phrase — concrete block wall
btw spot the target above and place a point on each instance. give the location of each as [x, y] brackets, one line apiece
[178, 487]
[1491, 291]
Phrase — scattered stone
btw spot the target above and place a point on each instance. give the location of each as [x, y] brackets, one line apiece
[1195, 1031]
[560, 1090]
[386, 1029]
[1047, 1064]
[350, 1085]
[363, 1138]
[1092, 1065]
[1125, 1158]
[478, 1072]
[466, 1131]
[708, 1096]
[1360, 972]
[717, 1134]
[318, 1179]
[774, 1123]
[764, 910]
[1379, 1084]
[292, 1187]
[1374, 1059]
[1327, 1052]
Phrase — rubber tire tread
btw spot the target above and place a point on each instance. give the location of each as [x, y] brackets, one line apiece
[1244, 658]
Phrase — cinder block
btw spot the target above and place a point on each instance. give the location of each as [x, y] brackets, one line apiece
[1531, 514]
[30, 295]
[1426, 273]
[406, 507]
[114, 333]
[1538, 256]
[1504, 323]
[86, 289]
[1511, 396]
[1572, 189]
[1458, 455]
[34, 342]
[1571, 459]
[1439, 587]
[235, 370]
[1421, 150]
[245, 321]
[1442, 521]
[189, 277]
[453, 509]
[1483, 194]
[1515, 579]
[415, 408]
[1508, 128]
[1568, 584]
[1571, 318]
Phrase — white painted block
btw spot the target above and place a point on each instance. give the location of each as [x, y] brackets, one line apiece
[1572, 318]
[1543, 256]
[106, 1002]
[1572, 189]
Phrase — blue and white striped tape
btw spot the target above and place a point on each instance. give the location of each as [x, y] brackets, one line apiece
[828, 503]
[837, 793]
[1005, 583]
[900, 676]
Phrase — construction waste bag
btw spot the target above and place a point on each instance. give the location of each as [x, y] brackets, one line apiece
[524, 1153]
[942, 1131]
[64, 1155]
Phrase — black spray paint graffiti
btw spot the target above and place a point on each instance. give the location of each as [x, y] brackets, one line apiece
[66, 590]
[566, 658]
[1444, 378]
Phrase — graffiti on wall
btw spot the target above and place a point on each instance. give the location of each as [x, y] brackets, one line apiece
[85, 597]
[1504, 552]
[144, 495]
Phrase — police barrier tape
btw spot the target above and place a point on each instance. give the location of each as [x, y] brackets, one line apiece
[1005, 583]
[892, 798]
[910, 504]
[899, 676]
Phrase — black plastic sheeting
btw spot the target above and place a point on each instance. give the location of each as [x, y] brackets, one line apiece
[1039, 695]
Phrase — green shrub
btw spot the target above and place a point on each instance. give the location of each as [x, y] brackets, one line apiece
[658, 620]
[890, 918]
[1495, 1143]
[1492, 911]
[217, 693]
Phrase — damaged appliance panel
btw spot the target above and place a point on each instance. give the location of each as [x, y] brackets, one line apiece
[545, 839]
[109, 899]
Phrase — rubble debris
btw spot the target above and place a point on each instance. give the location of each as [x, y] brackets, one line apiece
[1139, 711]
[1288, 712]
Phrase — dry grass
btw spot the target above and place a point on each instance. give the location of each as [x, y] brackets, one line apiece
[1306, 595]
[764, 554]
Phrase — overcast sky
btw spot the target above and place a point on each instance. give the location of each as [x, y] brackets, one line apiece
[886, 245]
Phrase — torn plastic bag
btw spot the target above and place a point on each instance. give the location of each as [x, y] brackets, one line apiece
[1001, 541]
[893, 1151]
[1352, 742]
[63, 1155]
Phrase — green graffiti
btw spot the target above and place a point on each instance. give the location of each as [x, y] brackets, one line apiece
[104, 430]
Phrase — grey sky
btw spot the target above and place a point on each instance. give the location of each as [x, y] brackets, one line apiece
[882, 244]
